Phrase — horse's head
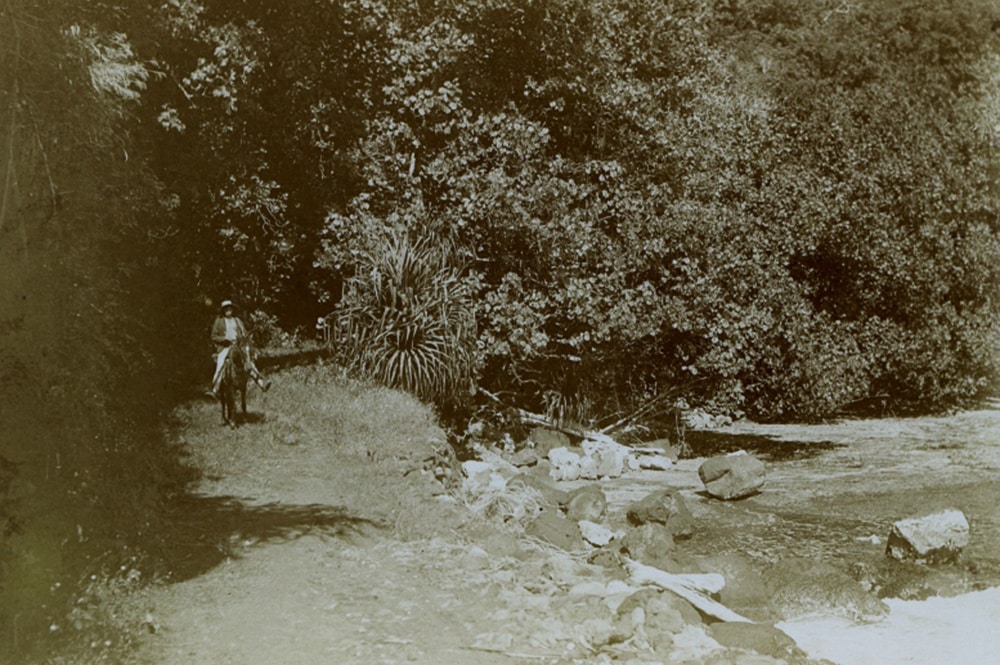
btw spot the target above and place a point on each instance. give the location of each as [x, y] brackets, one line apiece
[240, 353]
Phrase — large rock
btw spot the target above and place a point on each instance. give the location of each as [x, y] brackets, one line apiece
[552, 527]
[587, 503]
[553, 496]
[596, 534]
[650, 620]
[496, 460]
[610, 459]
[565, 464]
[802, 587]
[653, 600]
[745, 591]
[665, 507]
[763, 639]
[651, 544]
[655, 462]
[732, 476]
[588, 468]
[936, 538]
[662, 447]
[480, 478]
[545, 440]
[524, 457]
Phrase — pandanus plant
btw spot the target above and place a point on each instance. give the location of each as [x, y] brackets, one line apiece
[406, 319]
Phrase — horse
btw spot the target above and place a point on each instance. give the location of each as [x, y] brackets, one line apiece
[235, 373]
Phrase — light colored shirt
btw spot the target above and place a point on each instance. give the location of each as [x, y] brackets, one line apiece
[231, 329]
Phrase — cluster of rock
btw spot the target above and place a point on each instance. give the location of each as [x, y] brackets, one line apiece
[596, 457]
[597, 610]
[701, 419]
[627, 614]
[569, 520]
[570, 609]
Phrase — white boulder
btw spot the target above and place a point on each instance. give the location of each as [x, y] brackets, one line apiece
[480, 478]
[565, 464]
[934, 538]
[596, 534]
[611, 458]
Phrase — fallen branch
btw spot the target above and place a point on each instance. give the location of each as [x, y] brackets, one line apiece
[692, 588]
[529, 418]
[651, 405]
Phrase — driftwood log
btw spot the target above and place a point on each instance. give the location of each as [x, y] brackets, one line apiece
[692, 588]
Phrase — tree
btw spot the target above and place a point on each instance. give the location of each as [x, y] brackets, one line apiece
[684, 192]
[81, 229]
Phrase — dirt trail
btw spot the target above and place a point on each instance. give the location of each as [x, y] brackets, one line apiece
[324, 600]
[291, 593]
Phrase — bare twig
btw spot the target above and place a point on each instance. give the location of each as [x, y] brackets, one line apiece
[10, 164]
[649, 406]
[48, 171]
[180, 87]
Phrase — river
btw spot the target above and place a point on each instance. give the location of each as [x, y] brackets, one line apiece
[832, 494]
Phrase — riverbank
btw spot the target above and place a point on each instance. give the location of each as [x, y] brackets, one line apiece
[338, 543]
[321, 533]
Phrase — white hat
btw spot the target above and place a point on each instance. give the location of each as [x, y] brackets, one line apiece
[226, 303]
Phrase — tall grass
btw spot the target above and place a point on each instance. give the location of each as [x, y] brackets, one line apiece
[319, 437]
[406, 320]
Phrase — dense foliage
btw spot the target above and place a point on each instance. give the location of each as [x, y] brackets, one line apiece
[793, 204]
[88, 325]
[767, 206]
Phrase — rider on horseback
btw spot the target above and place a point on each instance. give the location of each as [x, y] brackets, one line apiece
[226, 331]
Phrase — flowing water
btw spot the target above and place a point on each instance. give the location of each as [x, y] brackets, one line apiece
[832, 494]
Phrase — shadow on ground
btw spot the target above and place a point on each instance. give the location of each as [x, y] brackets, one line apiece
[198, 533]
[706, 443]
[250, 418]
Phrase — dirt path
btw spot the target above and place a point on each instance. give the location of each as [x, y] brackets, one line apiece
[324, 600]
[311, 571]
[309, 542]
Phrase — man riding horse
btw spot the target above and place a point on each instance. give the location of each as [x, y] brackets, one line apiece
[226, 331]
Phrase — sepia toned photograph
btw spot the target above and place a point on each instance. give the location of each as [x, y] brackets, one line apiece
[499, 332]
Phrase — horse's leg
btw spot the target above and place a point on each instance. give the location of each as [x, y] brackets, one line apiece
[228, 401]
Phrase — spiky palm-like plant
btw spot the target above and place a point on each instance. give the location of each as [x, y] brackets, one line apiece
[406, 319]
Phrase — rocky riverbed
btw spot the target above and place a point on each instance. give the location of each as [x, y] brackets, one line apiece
[806, 553]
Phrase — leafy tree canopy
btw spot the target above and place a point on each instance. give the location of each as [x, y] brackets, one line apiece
[793, 205]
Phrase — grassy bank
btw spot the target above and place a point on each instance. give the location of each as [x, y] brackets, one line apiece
[349, 444]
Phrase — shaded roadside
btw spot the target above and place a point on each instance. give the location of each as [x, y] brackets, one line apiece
[205, 531]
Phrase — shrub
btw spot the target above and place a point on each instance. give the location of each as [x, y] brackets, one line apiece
[406, 319]
[266, 332]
